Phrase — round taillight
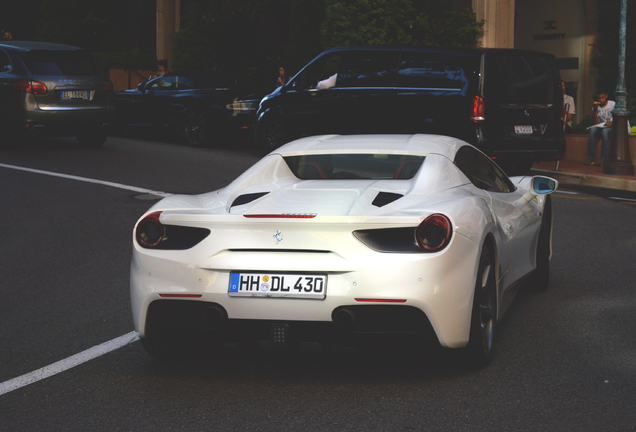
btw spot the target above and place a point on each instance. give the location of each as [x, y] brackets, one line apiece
[434, 233]
[150, 232]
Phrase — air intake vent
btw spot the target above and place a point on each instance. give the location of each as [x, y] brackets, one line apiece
[247, 198]
[385, 198]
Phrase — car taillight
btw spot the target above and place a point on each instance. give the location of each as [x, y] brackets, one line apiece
[27, 86]
[150, 232]
[434, 233]
[478, 110]
[106, 87]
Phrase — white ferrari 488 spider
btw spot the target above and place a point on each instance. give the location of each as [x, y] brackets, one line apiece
[338, 238]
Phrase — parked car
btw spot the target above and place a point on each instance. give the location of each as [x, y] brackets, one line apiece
[198, 107]
[505, 102]
[338, 238]
[51, 89]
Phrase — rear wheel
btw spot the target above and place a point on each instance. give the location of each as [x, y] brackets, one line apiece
[92, 138]
[196, 128]
[484, 315]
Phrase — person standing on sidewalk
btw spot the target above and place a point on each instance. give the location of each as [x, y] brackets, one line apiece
[602, 109]
[569, 110]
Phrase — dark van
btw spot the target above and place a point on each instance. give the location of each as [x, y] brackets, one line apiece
[506, 102]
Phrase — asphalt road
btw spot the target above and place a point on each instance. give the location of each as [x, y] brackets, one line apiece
[565, 360]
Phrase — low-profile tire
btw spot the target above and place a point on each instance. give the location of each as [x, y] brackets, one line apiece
[484, 313]
[197, 129]
[540, 279]
[93, 138]
[270, 135]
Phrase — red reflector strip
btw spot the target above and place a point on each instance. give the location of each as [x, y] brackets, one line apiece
[380, 300]
[181, 295]
[282, 216]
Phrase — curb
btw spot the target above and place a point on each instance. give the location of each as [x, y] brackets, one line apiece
[589, 180]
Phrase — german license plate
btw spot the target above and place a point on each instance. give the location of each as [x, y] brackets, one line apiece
[75, 94]
[523, 130]
[290, 285]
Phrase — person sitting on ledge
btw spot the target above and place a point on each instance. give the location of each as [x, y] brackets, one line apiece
[602, 109]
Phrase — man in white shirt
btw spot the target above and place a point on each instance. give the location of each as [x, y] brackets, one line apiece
[569, 109]
[602, 109]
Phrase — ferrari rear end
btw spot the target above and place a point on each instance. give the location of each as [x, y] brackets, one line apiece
[295, 277]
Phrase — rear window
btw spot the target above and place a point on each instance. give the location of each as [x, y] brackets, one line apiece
[431, 71]
[56, 63]
[354, 166]
[524, 81]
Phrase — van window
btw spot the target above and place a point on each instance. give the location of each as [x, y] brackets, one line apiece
[319, 70]
[431, 71]
[57, 63]
[524, 81]
[370, 69]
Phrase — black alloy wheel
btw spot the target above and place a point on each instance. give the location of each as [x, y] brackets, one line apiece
[196, 127]
[270, 135]
[484, 315]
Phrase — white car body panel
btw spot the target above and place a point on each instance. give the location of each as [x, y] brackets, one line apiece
[441, 284]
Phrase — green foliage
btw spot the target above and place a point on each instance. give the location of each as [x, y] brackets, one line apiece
[399, 22]
[608, 46]
[82, 23]
[241, 37]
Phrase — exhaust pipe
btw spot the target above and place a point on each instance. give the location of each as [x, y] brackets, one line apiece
[344, 320]
[215, 316]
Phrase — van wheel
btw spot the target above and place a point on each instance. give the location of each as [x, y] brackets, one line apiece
[92, 138]
[484, 315]
[269, 135]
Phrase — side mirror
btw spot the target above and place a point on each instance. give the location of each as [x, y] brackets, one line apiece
[141, 87]
[540, 185]
[543, 185]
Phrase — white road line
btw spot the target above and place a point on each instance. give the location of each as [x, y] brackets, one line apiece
[68, 363]
[622, 199]
[88, 180]
[567, 192]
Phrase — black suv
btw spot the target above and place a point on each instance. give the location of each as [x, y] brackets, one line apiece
[53, 90]
[505, 102]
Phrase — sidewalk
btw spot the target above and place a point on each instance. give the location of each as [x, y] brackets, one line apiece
[576, 173]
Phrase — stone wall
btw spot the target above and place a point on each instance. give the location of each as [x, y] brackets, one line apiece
[576, 148]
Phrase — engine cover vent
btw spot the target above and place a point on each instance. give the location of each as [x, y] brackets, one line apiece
[385, 198]
[247, 198]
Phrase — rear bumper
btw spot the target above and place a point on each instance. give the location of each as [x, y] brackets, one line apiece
[368, 322]
[439, 286]
[67, 122]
